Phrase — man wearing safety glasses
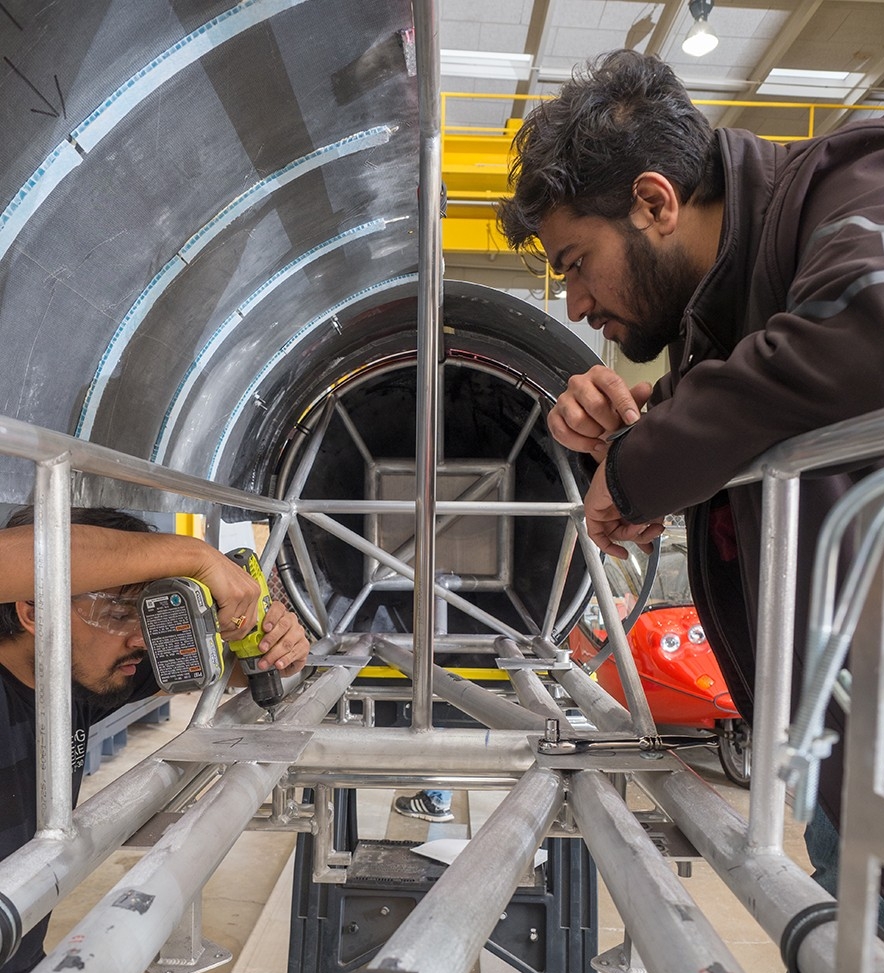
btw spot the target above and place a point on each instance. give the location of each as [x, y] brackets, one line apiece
[112, 556]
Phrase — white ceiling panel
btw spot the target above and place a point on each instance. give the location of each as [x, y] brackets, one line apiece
[578, 13]
[754, 36]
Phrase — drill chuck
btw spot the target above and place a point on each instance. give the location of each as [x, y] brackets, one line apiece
[265, 685]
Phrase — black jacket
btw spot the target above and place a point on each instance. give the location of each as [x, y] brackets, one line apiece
[784, 335]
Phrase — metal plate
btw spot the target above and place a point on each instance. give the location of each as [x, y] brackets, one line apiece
[381, 863]
[667, 837]
[261, 743]
[154, 829]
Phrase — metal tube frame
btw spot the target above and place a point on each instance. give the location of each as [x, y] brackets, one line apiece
[116, 936]
[52, 592]
[316, 422]
[862, 843]
[666, 923]
[429, 343]
[470, 889]
[747, 856]
[776, 623]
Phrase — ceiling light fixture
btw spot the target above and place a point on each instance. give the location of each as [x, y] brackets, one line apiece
[485, 64]
[809, 83]
[701, 37]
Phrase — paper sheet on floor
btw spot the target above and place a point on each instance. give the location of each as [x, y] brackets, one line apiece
[445, 850]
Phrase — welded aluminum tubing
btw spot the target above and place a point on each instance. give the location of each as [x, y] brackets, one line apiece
[315, 613]
[858, 438]
[629, 678]
[773, 667]
[274, 541]
[429, 302]
[666, 925]
[477, 492]
[447, 930]
[832, 625]
[862, 844]
[563, 565]
[771, 886]
[40, 874]
[385, 752]
[595, 704]
[528, 685]
[52, 659]
[473, 700]
[358, 542]
[37, 443]
[450, 508]
[37, 876]
[119, 938]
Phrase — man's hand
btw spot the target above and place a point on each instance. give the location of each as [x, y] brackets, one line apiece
[605, 524]
[235, 592]
[285, 644]
[593, 406]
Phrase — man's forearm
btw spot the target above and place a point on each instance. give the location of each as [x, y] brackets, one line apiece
[100, 558]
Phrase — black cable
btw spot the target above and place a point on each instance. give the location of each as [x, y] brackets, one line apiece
[10, 928]
[800, 926]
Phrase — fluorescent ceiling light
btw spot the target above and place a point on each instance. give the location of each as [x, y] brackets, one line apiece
[798, 83]
[485, 64]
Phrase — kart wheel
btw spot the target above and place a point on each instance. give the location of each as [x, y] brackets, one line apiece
[735, 751]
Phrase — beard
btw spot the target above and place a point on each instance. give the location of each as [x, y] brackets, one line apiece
[662, 285]
[109, 697]
[108, 693]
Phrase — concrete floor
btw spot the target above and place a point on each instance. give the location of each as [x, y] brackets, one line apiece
[246, 909]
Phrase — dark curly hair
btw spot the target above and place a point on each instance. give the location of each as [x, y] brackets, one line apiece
[623, 114]
[10, 626]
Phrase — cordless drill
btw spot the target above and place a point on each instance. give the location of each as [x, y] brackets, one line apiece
[265, 685]
[179, 620]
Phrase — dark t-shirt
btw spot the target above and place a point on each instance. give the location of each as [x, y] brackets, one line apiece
[18, 776]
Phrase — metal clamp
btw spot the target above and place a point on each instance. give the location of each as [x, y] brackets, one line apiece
[799, 768]
[561, 662]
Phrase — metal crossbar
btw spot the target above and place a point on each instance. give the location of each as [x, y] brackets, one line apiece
[747, 855]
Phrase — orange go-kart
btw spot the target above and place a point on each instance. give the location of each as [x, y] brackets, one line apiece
[679, 673]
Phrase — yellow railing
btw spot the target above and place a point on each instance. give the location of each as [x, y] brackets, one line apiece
[810, 107]
[512, 124]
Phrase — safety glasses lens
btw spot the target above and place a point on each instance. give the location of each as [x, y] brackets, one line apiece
[113, 614]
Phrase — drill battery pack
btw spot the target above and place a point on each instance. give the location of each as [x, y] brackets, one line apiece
[180, 626]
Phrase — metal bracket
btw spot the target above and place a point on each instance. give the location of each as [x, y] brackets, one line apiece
[186, 949]
[618, 959]
[561, 662]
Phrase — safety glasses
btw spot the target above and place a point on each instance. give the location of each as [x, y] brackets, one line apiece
[112, 613]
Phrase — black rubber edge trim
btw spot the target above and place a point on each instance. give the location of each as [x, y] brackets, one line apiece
[800, 926]
[10, 929]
